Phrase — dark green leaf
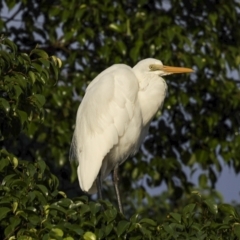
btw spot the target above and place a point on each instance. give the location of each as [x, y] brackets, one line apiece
[42, 166]
[4, 162]
[176, 216]
[110, 214]
[22, 116]
[65, 202]
[189, 209]
[5, 104]
[148, 221]
[14, 222]
[94, 207]
[39, 53]
[32, 76]
[3, 212]
[40, 99]
[75, 228]
[10, 44]
[18, 91]
[84, 209]
[202, 181]
[237, 230]
[43, 189]
[34, 219]
[227, 209]
[122, 227]
[58, 208]
[211, 206]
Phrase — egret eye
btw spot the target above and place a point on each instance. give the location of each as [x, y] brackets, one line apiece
[154, 67]
[151, 67]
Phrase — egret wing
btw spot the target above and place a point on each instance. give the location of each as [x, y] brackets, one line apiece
[103, 117]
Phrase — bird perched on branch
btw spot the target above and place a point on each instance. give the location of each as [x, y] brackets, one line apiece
[114, 117]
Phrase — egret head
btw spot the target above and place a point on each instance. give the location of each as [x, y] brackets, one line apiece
[155, 66]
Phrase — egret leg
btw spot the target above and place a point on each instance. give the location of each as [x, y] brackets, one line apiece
[99, 185]
[115, 182]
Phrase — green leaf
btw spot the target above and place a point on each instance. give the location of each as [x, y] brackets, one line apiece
[202, 180]
[57, 61]
[5, 104]
[176, 226]
[55, 70]
[148, 221]
[115, 27]
[4, 211]
[94, 207]
[39, 53]
[18, 183]
[108, 229]
[213, 208]
[4, 163]
[89, 236]
[45, 62]
[202, 156]
[43, 189]
[63, 194]
[122, 227]
[145, 231]
[58, 208]
[227, 209]
[189, 209]
[213, 18]
[34, 219]
[57, 231]
[134, 218]
[84, 209]
[134, 52]
[65, 202]
[10, 44]
[168, 228]
[121, 47]
[14, 162]
[6, 59]
[22, 116]
[37, 67]
[18, 91]
[110, 214]
[105, 203]
[75, 228]
[237, 230]
[41, 197]
[40, 99]
[26, 57]
[42, 165]
[32, 76]
[22, 214]
[176, 216]
[8, 179]
[14, 222]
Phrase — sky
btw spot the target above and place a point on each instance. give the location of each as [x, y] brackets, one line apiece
[228, 181]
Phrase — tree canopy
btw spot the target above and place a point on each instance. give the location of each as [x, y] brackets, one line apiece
[49, 52]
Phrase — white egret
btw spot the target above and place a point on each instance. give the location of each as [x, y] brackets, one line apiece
[114, 117]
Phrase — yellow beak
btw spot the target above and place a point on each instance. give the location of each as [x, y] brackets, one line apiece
[169, 69]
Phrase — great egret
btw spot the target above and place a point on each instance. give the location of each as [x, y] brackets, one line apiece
[114, 117]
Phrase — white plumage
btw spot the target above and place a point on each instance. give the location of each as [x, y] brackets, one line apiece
[114, 116]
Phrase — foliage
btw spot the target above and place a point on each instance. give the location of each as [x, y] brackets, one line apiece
[32, 207]
[23, 77]
[198, 128]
